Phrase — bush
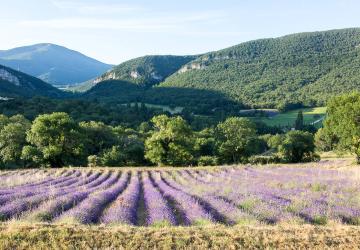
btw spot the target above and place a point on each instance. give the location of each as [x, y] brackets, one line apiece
[298, 146]
[112, 157]
[208, 161]
[311, 157]
[92, 160]
[264, 159]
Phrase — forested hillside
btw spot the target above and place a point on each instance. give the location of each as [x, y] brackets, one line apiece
[304, 68]
[144, 71]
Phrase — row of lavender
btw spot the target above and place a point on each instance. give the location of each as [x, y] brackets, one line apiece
[232, 195]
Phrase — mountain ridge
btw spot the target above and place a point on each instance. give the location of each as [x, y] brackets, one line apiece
[53, 63]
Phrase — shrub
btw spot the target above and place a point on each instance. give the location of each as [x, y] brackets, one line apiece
[92, 160]
[112, 157]
[208, 160]
[264, 159]
[298, 146]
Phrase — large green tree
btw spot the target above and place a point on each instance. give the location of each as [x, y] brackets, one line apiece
[171, 142]
[13, 139]
[98, 136]
[298, 146]
[236, 139]
[342, 124]
[57, 137]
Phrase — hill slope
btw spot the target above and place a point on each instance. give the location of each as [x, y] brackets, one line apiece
[54, 64]
[16, 84]
[144, 71]
[303, 68]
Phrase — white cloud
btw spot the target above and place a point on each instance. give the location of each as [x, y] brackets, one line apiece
[93, 23]
[159, 23]
[87, 7]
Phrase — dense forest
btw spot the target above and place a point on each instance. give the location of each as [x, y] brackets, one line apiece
[305, 68]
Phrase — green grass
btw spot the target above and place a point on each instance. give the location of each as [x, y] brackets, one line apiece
[288, 118]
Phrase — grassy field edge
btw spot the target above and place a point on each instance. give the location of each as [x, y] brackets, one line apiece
[45, 236]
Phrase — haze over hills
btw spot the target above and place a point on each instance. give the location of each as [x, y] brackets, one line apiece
[17, 84]
[54, 64]
[305, 68]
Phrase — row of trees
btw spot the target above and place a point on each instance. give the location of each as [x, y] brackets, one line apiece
[56, 140]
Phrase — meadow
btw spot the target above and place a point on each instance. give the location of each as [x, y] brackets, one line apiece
[206, 207]
[312, 116]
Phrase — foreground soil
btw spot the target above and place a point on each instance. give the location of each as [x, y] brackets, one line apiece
[19, 236]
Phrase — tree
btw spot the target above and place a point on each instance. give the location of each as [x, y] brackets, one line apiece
[342, 124]
[112, 157]
[298, 146]
[12, 140]
[58, 138]
[235, 139]
[324, 141]
[171, 142]
[205, 142]
[31, 156]
[98, 136]
[275, 141]
[299, 122]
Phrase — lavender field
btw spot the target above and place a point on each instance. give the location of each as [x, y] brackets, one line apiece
[317, 193]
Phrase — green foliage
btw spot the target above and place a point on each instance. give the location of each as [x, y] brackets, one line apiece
[147, 70]
[264, 159]
[205, 142]
[171, 142]
[292, 71]
[275, 141]
[32, 156]
[93, 161]
[236, 139]
[98, 136]
[111, 113]
[324, 141]
[112, 157]
[54, 140]
[298, 146]
[342, 124]
[58, 138]
[299, 122]
[12, 139]
[208, 160]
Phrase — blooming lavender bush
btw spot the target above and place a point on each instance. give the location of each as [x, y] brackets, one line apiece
[302, 193]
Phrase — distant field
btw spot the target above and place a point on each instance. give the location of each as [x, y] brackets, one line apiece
[311, 115]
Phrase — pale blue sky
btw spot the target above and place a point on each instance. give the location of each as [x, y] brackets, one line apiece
[115, 30]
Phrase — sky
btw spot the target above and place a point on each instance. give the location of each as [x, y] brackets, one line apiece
[114, 31]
